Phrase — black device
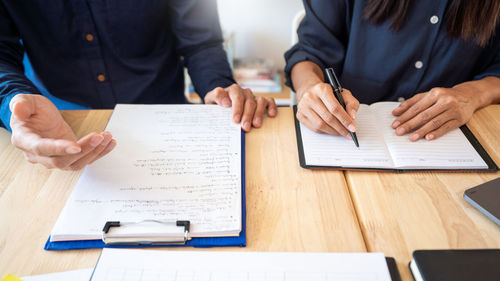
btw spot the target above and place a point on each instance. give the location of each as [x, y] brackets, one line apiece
[456, 265]
[486, 198]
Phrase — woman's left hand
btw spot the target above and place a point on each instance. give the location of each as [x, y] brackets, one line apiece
[434, 113]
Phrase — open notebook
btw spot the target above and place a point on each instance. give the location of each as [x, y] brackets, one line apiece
[172, 162]
[381, 149]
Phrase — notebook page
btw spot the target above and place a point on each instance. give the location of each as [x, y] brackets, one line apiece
[171, 162]
[142, 265]
[338, 151]
[451, 151]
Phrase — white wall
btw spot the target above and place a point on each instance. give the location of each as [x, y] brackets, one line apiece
[262, 28]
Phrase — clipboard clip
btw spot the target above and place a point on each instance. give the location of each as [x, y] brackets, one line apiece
[146, 233]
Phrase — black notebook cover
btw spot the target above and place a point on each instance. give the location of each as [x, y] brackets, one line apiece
[458, 265]
[492, 167]
[393, 269]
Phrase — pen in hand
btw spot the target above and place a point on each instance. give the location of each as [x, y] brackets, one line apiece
[337, 90]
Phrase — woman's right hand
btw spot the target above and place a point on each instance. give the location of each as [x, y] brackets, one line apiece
[39, 130]
[321, 112]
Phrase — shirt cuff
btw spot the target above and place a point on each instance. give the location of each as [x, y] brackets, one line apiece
[294, 56]
[492, 71]
[5, 111]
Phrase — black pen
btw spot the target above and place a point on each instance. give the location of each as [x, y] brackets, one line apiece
[337, 89]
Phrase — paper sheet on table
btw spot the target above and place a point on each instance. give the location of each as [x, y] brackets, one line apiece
[142, 265]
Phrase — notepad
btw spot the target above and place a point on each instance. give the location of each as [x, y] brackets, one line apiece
[381, 149]
[171, 162]
[142, 265]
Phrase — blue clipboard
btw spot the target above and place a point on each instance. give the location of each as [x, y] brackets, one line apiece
[197, 242]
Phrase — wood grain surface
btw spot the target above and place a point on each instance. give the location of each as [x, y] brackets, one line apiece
[288, 208]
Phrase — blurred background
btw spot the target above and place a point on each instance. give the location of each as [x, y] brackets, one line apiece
[257, 33]
[261, 28]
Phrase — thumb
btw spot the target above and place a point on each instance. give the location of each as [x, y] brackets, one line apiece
[218, 96]
[22, 107]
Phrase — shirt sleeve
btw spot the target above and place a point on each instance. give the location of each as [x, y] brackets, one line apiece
[322, 36]
[490, 58]
[12, 78]
[197, 29]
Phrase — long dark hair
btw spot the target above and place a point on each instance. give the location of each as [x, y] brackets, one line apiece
[474, 20]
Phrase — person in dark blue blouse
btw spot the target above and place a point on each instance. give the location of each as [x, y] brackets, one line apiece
[441, 56]
[100, 53]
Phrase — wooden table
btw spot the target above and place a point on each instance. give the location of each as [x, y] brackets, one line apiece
[288, 208]
[400, 213]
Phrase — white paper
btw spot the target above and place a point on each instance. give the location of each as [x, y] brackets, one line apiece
[172, 162]
[74, 275]
[142, 265]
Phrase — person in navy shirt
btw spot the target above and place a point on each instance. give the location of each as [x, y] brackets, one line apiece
[441, 56]
[100, 53]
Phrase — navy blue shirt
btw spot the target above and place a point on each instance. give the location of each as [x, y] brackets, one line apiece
[377, 63]
[99, 53]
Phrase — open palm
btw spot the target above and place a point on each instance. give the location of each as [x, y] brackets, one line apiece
[37, 115]
[39, 130]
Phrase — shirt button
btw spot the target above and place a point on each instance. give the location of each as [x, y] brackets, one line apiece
[419, 64]
[434, 19]
[101, 78]
[89, 37]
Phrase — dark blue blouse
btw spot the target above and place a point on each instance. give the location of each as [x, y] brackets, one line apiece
[99, 53]
[377, 63]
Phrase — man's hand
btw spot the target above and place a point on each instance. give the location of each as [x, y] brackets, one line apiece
[320, 111]
[39, 130]
[247, 109]
[434, 113]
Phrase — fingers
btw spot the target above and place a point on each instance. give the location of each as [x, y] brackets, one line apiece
[272, 109]
[404, 106]
[351, 103]
[92, 154]
[327, 117]
[418, 105]
[321, 100]
[107, 150]
[433, 125]
[420, 119]
[218, 96]
[317, 117]
[93, 146]
[314, 122]
[430, 115]
[445, 128]
[22, 107]
[336, 110]
[32, 143]
[259, 112]
[237, 96]
[248, 111]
